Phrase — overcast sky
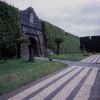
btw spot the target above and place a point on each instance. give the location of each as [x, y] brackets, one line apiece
[79, 17]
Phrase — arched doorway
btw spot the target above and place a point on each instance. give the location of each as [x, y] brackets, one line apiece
[33, 48]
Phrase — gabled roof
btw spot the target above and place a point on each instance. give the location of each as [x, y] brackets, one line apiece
[25, 18]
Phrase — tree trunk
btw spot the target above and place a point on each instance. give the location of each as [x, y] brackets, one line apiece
[18, 51]
[58, 48]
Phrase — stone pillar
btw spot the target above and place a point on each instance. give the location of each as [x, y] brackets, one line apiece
[24, 51]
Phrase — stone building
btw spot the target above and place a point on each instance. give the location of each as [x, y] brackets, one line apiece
[31, 28]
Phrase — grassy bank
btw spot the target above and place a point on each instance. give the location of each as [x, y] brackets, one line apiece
[72, 57]
[15, 73]
[70, 44]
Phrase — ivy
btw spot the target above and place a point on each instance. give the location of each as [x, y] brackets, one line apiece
[71, 43]
[9, 27]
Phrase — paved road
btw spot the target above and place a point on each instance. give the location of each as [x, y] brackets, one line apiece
[72, 83]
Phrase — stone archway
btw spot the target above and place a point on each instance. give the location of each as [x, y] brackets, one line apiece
[33, 48]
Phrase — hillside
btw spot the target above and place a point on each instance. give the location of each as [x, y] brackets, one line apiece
[71, 43]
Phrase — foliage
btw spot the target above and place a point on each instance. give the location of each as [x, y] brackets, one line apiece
[9, 26]
[71, 43]
[16, 73]
[58, 41]
[72, 57]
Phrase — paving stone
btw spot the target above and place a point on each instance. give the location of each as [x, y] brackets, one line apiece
[80, 81]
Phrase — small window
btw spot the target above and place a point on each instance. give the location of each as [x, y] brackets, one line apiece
[31, 18]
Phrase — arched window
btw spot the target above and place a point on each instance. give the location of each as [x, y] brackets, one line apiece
[31, 18]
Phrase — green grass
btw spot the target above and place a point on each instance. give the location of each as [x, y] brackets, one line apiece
[72, 57]
[15, 73]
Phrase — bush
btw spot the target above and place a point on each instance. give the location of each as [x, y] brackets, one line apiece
[9, 28]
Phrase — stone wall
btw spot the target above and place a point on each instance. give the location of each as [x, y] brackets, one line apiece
[32, 29]
[24, 51]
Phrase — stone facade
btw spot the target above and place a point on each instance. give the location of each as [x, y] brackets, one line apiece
[31, 27]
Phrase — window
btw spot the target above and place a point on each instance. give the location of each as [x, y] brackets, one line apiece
[31, 18]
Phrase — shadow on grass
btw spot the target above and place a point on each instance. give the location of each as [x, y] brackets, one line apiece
[27, 61]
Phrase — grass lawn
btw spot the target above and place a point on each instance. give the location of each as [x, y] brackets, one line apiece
[15, 73]
[72, 57]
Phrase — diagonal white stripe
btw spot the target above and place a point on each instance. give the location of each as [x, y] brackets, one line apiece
[84, 92]
[43, 94]
[63, 94]
[32, 89]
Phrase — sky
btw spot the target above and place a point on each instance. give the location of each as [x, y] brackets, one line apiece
[79, 17]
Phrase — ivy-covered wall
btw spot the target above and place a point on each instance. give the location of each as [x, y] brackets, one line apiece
[71, 43]
[9, 27]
